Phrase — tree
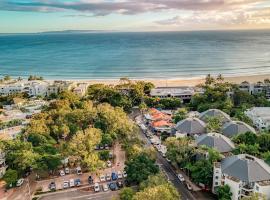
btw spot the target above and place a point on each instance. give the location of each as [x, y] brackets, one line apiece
[255, 196]
[152, 181]
[224, 192]
[164, 192]
[139, 168]
[246, 138]
[179, 115]
[126, 193]
[213, 124]
[10, 177]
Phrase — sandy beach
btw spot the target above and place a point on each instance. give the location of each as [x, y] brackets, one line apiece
[183, 82]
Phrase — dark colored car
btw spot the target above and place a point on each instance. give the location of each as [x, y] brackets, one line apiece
[113, 186]
[90, 180]
[77, 182]
[119, 184]
[114, 176]
[52, 186]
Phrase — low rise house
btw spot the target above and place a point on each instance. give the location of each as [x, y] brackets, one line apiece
[256, 88]
[244, 174]
[81, 89]
[190, 127]
[234, 128]
[216, 141]
[3, 165]
[215, 113]
[260, 117]
[162, 126]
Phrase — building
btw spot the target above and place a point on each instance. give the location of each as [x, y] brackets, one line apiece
[260, 117]
[234, 128]
[244, 174]
[190, 127]
[59, 86]
[81, 89]
[256, 88]
[216, 141]
[161, 126]
[183, 93]
[215, 113]
[3, 165]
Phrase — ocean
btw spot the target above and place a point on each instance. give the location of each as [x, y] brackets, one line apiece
[148, 55]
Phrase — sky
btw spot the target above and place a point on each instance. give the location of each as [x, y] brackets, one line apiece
[28, 16]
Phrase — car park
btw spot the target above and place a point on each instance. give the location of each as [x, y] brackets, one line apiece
[79, 170]
[102, 178]
[67, 170]
[105, 187]
[96, 187]
[108, 177]
[66, 184]
[71, 183]
[90, 180]
[52, 186]
[180, 177]
[119, 175]
[113, 186]
[61, 173]
[77, 182]
[119, 184]
[114, 176]
[20, 182]
[124, 174]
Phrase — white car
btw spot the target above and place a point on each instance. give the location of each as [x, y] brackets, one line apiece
[96, 187]
[71, 183]
[108, 177]
[79, 170]
[105, 187]
[67, 170]
[124, 174]
[180, 177]
[66, 184]
[109, 163]
[61, 173]
[102, 178]
[189, 187]
[20, 182]
[119, 174]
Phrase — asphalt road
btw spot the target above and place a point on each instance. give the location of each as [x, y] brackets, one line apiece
[81, 195]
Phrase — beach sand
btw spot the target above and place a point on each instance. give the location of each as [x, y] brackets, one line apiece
[184, 82]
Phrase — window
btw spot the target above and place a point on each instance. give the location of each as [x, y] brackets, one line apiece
[216, 183]
[257, 188]
[217, 177]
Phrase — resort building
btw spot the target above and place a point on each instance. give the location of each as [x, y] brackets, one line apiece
[81, 89]
[183, 93]
[234, 128]
[215, 113]
[216, 141]
[190, 127]
[260, 117]
[3, 165]
[256, 88]
[244, 174]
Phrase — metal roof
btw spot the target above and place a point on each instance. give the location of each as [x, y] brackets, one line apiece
[191, 126]
[233, 128]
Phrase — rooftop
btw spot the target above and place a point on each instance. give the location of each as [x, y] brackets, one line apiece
[233, 128]
[214, 113]
[191, 126]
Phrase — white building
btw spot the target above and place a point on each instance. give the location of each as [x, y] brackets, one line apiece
[255, 88]
[81, 89]
[260, 117]
[244, 174]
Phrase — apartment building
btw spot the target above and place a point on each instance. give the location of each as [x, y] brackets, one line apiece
[260, 117]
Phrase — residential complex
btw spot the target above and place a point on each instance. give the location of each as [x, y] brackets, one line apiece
[260, 117]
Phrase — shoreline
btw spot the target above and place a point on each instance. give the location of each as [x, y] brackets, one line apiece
[174, 82]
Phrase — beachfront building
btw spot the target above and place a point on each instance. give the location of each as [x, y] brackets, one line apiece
[59, 86]
[234, 128]
[216, 141]
[81, 89]
[190, 127]
[183, 93]
[244, 174]
[260, 117]
[215, 113]
[256, 88]
[3, 165]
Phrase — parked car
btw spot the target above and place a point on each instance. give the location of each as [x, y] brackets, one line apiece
[110, 155]
[189, 187]
[106, 146]
[71, 183]
[180, 177]
[96, 187]
[66, 184]
[113, 186]
[77, 182]
[109, 163]
[119, 184]
[90, 179]
[79, 170]
[105, 187]
[61, 173]
[124, 174]
[102, 178]
[67, 170]
[119, 174]
[108, 177]
[114, 176]
[52, 186]
[19, 182]
[101, 147]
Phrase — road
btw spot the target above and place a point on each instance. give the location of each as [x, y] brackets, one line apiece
[163, 163]
[81, 195]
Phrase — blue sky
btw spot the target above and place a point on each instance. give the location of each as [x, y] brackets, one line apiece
[21, 16]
